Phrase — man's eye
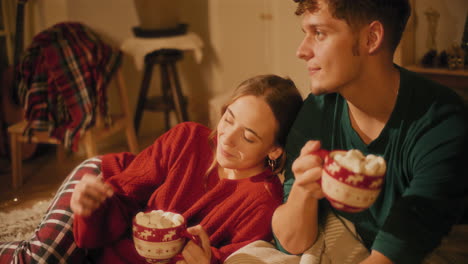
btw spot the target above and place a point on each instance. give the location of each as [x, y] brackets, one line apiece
[319, 35]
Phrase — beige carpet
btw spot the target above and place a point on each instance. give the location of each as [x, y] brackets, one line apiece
[20, 224]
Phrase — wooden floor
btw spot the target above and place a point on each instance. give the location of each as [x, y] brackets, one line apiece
[43, 174]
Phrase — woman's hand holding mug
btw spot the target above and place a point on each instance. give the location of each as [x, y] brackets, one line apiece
[163, 237]
[197, 253]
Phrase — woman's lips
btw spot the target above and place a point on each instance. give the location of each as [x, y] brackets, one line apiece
[225, 153]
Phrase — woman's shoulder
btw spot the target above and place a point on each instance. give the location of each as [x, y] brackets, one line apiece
[190, 128]
[267, 187]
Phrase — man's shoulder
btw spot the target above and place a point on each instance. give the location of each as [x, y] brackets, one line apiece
[427, 90]
[319, 103]
[318, 107]
[322, 100]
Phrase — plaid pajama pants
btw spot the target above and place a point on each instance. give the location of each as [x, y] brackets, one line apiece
[52, 241]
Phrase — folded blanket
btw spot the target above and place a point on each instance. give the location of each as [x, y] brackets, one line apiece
[338, 242]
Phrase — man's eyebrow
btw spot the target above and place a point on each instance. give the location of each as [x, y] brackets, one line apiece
[246, 128]
[318, 25]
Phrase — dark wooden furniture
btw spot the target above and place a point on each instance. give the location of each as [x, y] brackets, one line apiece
[171, 98]
[455, 79]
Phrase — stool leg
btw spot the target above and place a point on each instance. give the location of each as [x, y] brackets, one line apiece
[177, 96]
[145, 83]
[61, 153]
[131, 139]
[165, 87]
[90, 145]
[16, 160]
[129, 129]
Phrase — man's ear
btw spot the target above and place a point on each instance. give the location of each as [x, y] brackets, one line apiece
[275, 153]
[375, 36]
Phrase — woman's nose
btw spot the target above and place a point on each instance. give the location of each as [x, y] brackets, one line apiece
[304, 51]
[229, 137]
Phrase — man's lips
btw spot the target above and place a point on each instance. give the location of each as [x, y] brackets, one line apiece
[313, 70]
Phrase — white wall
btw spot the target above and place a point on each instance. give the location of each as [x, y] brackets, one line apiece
[114, 19]
[41, 14]
[288, 36]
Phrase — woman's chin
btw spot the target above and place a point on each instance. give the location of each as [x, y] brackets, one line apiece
[224, 163]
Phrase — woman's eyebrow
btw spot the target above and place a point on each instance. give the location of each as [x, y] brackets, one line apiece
[231, 113]
[246, 128]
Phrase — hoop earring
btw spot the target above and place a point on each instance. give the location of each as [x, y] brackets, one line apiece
[272, 164]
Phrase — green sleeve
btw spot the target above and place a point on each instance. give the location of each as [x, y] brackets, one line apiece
[292, 154]
[302, 131]
[433, 202]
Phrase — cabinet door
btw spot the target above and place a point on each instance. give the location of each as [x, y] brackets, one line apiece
[252, 37]
[241, 41]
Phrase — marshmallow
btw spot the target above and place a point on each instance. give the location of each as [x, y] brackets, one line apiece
[356, 162]
[159, 219]
[177, 219]
[142, 219]
[374, 165]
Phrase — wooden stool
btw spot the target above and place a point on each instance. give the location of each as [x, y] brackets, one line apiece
[171, 98]
[95, 134]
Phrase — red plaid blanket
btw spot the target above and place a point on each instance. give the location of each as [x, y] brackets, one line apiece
[62, 81]
[53, 240]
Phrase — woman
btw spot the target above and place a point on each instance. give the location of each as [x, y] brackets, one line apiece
[227, 196]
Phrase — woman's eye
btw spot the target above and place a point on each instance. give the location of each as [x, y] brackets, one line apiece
[248, 140]
[228, 120]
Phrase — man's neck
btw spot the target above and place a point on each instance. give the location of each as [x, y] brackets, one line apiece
[372, 100]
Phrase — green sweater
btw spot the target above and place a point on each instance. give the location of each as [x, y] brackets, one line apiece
[424, 144]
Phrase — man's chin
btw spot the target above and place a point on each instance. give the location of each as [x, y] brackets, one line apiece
[318, 90]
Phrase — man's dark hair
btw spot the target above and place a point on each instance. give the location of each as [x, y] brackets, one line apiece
[393, 14]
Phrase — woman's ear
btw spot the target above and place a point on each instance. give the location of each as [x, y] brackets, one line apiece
[375, 36]
[275, 153]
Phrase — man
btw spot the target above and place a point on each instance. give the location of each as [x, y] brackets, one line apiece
[361, 100]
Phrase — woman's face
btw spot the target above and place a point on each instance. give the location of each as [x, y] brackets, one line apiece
[246, 134]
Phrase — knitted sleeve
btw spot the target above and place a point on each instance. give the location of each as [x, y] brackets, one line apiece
[255, 225]
[134, 179]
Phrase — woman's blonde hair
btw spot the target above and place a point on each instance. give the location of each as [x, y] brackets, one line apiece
[284, 100]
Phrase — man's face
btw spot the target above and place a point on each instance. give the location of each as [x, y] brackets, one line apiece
[331, 50]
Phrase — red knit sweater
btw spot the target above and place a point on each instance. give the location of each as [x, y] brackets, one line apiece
[169, 175]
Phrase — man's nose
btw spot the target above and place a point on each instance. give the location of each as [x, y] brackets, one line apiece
[304, 51]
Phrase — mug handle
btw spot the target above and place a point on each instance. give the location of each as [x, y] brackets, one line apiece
[185, 234]
[195, 239]
[322, 153]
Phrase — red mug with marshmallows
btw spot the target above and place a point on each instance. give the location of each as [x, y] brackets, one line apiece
[353, 184]
[161, 245]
